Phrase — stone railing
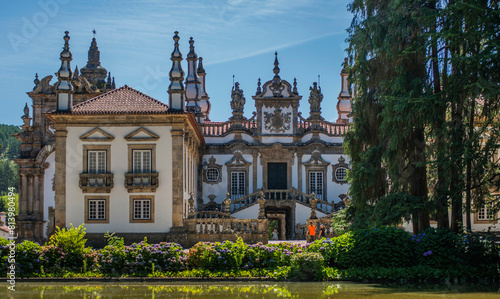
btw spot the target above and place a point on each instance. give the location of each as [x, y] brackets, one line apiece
[218, 129]
[212, 230]
[322, 206]
[209, 215]
[141, 182]
[96, 182]
[326, 127]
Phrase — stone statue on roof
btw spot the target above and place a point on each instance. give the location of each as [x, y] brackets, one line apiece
[237, 98]
[315, 98]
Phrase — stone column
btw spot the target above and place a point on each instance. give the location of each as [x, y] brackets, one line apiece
[23, 193]
[254, 172]
[299, 172]
[177, 175]
[36, 194]
[60, 178]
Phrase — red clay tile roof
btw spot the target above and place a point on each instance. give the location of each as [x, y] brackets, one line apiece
[123, 100]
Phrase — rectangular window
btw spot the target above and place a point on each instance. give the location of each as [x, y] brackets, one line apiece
[96, 161]
[484, 214]
[96, 209]
[142, 209]
[238, 184]
[141, 161]
[316, 183]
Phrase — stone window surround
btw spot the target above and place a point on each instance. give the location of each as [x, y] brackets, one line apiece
[340, 164]
[132, 147]
[86, 212]
[316, 164]
[212, 164]
[151, 206]
[241, 165]
[90, 147]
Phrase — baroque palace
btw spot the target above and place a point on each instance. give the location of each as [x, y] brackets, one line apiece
[121, 161]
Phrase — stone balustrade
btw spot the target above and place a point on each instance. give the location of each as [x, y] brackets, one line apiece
[217, 229]
[217, 129]
[96, 182]
[141, 182]
[322, 206]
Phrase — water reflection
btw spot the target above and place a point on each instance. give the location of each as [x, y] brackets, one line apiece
[99, 290]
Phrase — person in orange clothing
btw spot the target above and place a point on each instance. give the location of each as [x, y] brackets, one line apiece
[311, 232]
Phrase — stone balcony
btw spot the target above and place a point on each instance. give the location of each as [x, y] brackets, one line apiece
[96, 182]
[141, 182]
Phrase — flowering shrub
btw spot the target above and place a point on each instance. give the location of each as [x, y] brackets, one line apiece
[269, 256]
[436, 247]
[329, 248]
[71, 241]
[218, 256]
[307, 266]
[382, 253]
[141, 258]
[28, 257]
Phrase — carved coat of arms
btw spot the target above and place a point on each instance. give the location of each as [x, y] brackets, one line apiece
[277, 121]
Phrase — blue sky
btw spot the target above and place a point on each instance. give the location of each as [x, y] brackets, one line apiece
[234, 37]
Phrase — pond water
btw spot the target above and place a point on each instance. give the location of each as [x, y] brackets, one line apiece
[237, 290]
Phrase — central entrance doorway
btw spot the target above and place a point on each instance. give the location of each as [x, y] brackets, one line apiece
[276, 176]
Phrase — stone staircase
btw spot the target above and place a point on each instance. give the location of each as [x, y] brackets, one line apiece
[292, 194]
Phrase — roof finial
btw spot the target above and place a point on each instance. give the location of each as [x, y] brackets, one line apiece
[294, 90]
[93, 31]
[176, 89]
[113, 85]
[36, 81]
[276, 69]
[191, 48]
[200, 70]
[108, 81]
[64, 88]
[77, 73]
[319, 82]
[233, 79]
[26, 111]
[259, 90]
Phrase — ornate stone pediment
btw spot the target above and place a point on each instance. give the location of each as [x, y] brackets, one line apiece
[276, 153]
[316, 160]
[238, 160]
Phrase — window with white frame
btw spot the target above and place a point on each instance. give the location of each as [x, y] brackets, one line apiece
[96, 161]
[141, 161]
[340, 174]
[316, 183]
[238, 184]
[485, 214]
[96, 209]
[142, 209]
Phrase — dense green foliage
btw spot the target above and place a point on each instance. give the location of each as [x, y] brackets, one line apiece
[4, 203]
[382, 253]
[9, 145]
[8, 175]
[426, 74]
[9, 149]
